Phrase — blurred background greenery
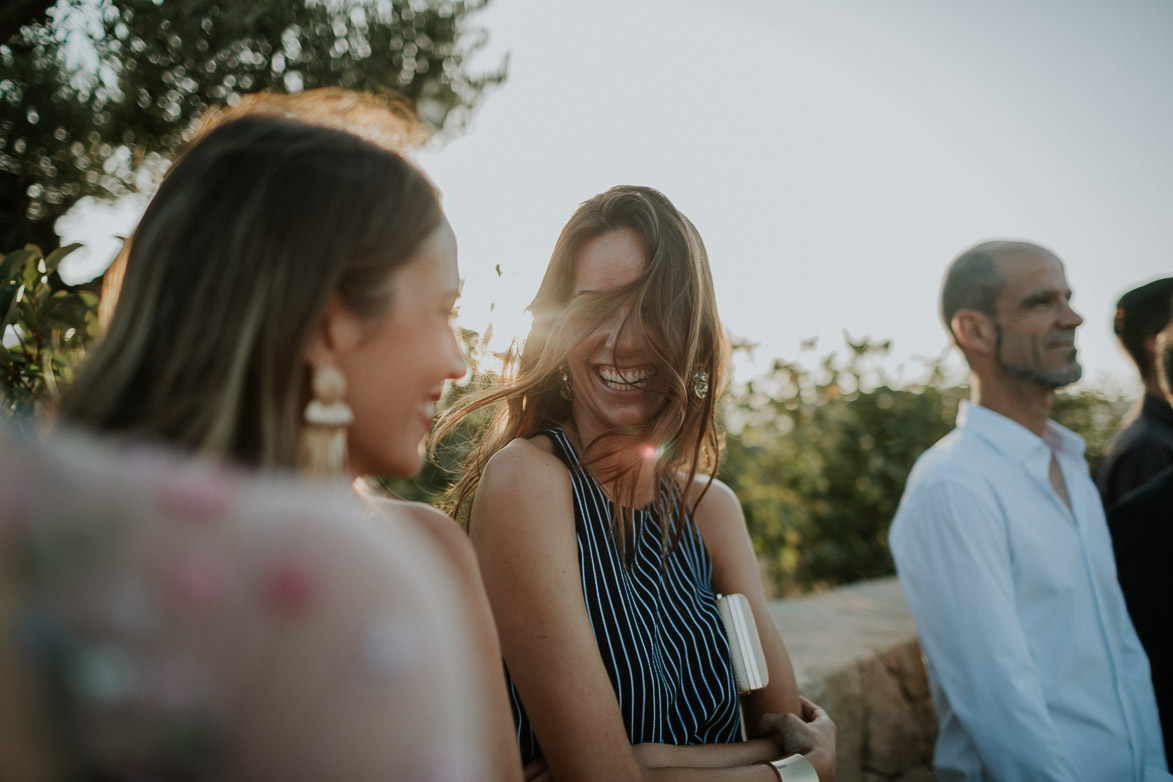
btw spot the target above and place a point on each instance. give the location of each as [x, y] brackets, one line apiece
[46, 331]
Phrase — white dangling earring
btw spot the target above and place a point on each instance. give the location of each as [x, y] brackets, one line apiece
[327, 418]
[700, 384]
[564, 386]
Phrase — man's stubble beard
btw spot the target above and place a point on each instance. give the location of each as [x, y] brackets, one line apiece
[1047, 378]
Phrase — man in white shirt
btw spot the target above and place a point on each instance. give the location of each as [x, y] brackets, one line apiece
[1004, 554]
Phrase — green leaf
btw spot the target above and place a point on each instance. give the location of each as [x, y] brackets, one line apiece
[70, 310]
[30, 275]
[67, 318]
[28, 314]
[7, 304]
[13, 265]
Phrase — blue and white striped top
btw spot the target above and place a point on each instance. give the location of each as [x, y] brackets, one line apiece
[655, 622]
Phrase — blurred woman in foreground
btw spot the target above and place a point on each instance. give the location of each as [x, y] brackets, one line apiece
[169, 619]
[286, 305]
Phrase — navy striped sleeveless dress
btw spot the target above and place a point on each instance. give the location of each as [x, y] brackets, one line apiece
[655, 622]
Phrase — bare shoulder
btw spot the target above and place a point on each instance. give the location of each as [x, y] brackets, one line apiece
[721, 524]
[524, 465]
[524, 487]
[417, 512]
[437, 526]
[525, 453]
[714, 502]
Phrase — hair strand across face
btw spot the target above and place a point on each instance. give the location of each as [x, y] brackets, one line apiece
[671, 305]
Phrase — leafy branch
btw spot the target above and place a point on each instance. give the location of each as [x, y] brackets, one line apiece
[45, 332]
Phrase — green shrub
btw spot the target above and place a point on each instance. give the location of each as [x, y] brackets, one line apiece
[46, 328]
[819, 459]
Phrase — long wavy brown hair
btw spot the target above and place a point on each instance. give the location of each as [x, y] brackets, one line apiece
[671, 305]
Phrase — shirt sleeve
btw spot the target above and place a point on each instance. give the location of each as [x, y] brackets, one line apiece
[953, 560]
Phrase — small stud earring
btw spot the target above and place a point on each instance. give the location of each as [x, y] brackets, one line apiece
[700, 384]
[564, 386]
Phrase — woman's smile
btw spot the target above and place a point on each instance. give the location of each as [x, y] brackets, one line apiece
[624, 378]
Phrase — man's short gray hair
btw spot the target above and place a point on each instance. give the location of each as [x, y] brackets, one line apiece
[973, 282]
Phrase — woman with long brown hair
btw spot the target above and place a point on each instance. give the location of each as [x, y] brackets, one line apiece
[287, 304]
[602, 537]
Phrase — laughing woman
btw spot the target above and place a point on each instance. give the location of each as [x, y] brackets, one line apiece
[603, 541]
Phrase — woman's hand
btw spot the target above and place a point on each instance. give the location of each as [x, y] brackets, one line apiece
[813, 735]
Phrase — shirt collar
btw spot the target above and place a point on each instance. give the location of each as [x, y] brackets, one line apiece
[1012, 438]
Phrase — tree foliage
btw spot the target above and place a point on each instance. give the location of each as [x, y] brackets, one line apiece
[819, 459]
[95, 95]
[45, 332]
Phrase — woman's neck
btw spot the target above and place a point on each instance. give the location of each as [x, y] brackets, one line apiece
[614, 472]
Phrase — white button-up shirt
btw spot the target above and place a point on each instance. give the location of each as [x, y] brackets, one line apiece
[1036, 670]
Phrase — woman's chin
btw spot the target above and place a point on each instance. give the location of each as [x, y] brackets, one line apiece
[401, 465]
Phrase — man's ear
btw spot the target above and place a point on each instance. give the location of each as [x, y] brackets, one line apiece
[338, 332]
[976, 332]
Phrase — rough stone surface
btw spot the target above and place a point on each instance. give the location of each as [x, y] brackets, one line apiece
[855, 653]
[841, 694]
[897, 735]
[888, 738]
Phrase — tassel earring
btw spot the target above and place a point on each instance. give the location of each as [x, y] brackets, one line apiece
[700, 384]
[564, 386]
[327, 418]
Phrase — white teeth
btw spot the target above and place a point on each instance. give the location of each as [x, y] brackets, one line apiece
[625, 377]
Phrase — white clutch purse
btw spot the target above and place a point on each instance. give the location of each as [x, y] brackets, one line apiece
[745, 646]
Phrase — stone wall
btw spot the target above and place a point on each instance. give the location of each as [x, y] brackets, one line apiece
[855, 653]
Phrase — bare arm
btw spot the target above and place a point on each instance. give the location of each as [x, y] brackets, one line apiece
[505, 760]
[735, 570]
[522, 528]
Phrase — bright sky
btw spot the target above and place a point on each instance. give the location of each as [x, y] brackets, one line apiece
[834, 157]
